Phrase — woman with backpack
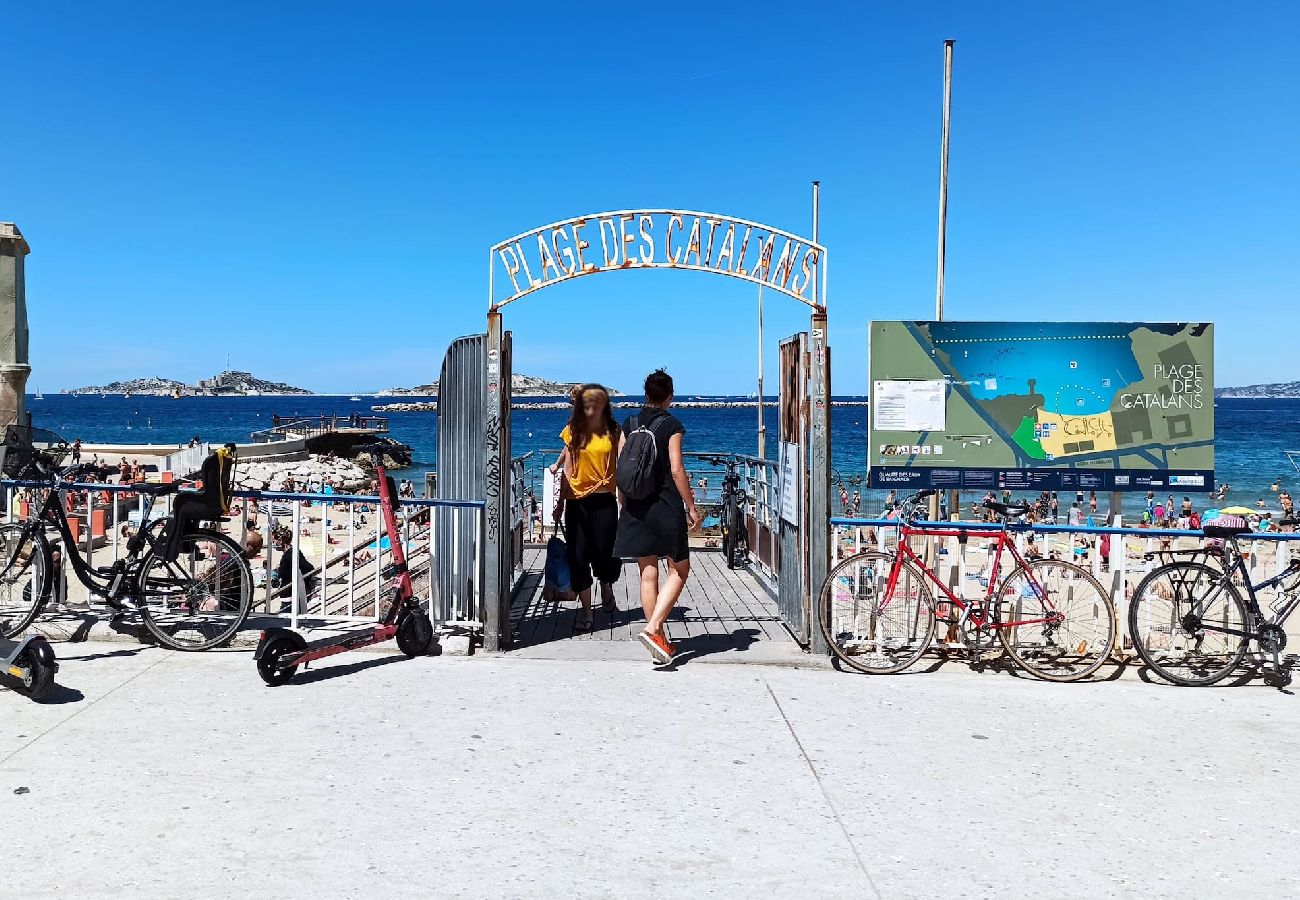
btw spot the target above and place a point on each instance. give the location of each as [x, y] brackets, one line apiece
[658, 508]
[591, 445]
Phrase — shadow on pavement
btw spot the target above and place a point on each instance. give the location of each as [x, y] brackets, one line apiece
[313, 675]
[61, 693]
[700, 645]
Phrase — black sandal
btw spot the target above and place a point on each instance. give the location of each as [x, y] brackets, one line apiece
[581, 624]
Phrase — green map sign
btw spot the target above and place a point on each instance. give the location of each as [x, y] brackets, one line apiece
[1042, 405]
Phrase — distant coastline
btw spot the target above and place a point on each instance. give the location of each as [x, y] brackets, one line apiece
[432, 405]
[1280, 390]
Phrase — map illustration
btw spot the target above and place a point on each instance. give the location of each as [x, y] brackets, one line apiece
[991, 403]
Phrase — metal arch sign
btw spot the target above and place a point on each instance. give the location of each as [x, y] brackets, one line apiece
[659, 239]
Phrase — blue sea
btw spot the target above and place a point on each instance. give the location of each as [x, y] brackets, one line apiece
[1252, 434]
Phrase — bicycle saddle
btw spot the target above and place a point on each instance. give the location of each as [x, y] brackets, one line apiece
[157, 490]
[1015, 510]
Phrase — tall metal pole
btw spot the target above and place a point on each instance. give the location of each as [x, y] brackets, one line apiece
[943, 179]
[762, 428]
[954, 503]
[817, 521]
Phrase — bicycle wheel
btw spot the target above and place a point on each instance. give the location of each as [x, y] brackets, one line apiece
[1167, 618]
[739, 538]
[1055, 620]
[199, 601]
[869, 628]
[24, 577]
[728, 533]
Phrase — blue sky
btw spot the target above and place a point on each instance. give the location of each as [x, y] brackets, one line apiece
[312, 188]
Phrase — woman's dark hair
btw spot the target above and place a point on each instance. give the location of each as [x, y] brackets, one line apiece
[658, 386]
[578, 435]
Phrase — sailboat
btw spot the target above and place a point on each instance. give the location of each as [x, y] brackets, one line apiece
[39, 395]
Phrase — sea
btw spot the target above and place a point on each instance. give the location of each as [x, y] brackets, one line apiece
[1252, 434]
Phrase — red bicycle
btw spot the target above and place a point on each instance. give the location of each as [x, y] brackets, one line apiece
[878, 610]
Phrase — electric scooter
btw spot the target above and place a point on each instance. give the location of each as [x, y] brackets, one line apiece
[282, 650]
[27, 665]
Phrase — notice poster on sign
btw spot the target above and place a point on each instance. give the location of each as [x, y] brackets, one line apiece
[791, 486]
[908, 405]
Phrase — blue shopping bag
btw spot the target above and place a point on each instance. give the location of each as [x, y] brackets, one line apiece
[557, 568]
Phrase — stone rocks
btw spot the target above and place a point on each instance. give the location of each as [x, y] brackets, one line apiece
[314, 471]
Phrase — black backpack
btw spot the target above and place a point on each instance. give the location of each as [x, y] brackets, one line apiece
[638, 474]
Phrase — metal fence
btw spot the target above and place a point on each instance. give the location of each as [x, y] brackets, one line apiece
[758, 481]
[338, 548]
[1131, 555]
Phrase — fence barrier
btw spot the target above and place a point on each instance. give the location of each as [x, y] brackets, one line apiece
[337, 551]
[1130, 558]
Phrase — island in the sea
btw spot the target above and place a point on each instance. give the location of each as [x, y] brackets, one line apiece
[520, 386]
[224, 384]
[1281, 390]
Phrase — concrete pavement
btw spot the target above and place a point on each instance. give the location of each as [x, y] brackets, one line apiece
[161, 774]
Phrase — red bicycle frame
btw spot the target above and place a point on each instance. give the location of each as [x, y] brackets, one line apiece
[981, 617]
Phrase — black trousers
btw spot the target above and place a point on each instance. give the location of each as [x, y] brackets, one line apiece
[187, 511]
[590, 526]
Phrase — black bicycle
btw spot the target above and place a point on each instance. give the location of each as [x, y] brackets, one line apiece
[193, 599]
[1190, 623]
[735, 532]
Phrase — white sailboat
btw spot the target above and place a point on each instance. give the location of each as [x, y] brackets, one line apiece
[39, 395]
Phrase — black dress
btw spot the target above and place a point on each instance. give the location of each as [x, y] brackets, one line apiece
[656, 525]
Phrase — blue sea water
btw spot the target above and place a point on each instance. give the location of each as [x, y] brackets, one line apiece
[1251, 434]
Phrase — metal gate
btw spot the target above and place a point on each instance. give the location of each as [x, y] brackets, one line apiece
[792, 498]
[457, 542]
[498, 575]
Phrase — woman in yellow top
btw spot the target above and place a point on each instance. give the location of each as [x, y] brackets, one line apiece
[591, 445]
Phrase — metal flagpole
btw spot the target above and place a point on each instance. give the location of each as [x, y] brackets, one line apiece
[943, 179]
[954, 503]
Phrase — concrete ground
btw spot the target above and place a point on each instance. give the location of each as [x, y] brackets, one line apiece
[157, 774]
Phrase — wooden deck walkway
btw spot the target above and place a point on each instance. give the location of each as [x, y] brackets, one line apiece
[720, 611]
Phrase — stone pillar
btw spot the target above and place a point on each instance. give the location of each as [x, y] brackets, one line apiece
[14, 367]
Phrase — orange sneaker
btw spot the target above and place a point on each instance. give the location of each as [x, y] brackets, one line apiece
[659, 648]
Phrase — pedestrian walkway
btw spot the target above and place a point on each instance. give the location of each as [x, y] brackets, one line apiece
[160, 774]
[723, 612]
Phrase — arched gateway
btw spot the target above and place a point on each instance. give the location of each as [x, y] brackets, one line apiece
[632, 239]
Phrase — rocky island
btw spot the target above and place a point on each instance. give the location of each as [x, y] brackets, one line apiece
[224, 384]
[520, 386]
[1283, 390]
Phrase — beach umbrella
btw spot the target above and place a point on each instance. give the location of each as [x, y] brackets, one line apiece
[1237, 511]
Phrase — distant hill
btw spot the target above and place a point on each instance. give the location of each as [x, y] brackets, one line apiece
[520, 386]
[224, 384]
[1282, 390]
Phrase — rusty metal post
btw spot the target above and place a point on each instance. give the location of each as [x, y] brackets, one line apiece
[14, 367]
[819, 490]
[496, 489]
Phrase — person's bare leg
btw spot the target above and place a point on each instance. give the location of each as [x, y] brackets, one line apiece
[649, 568]
[584, 597]
[668, 595]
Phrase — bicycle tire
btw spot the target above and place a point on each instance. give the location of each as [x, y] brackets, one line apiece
[728, 533]
[1149, 626]
[226, 591]
[23, 590]
[843, 614]
[739, 538]
[1069, 651]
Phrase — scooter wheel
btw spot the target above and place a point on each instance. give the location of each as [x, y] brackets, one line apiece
[415, 634]
[273, 672]
[40, 673]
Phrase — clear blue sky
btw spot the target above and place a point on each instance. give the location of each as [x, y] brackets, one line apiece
[324, 179]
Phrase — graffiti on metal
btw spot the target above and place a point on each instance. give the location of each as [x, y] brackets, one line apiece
[657, 239]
